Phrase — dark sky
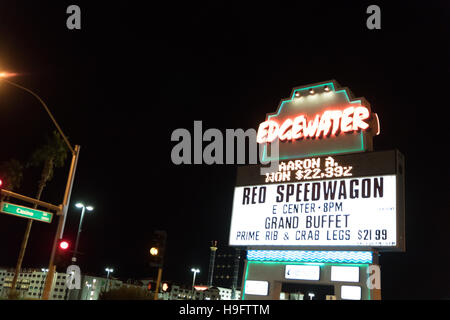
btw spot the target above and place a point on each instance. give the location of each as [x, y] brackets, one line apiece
[133, 74]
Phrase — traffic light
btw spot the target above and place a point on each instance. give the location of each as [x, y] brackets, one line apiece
[63, 245]
[166, 287]
[151, 285]
[62, 256]
[157, 248]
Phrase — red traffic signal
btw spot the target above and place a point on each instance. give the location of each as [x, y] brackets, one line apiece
[64, 245]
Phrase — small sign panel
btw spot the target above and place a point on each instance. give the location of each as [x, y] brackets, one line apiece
[344, 273]
[26, 212]
[260, 288]
[351, 292]
[302, 272]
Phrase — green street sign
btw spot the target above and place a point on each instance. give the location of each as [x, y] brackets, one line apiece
[25, 212]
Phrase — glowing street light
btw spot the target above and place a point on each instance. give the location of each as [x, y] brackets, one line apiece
[195, 271]
[108, 270]
[83, 208]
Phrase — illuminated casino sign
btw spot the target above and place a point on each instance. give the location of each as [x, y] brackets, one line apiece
[329, 189]
[319, 119]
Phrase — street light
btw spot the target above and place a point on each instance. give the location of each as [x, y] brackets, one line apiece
[108, 270]
[89, 285]
[195, 271]
[83, 208]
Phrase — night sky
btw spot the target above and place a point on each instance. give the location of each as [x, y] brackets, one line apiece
[120, 86]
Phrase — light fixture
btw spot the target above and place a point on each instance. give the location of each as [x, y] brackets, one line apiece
[79, 205]
[89, 208]
[311, 91]
[297, 94]
[327, 88]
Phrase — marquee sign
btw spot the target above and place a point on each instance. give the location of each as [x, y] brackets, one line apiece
[352, 201]
[319, 119]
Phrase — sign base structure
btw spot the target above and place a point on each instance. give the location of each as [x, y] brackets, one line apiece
[311, 275]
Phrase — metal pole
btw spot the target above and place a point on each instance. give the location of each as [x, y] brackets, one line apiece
[158, 281]
[212, 258]
[46, 109]
[193, 280]
[74, 258]
[69, 186]
[61, 221]
[36, 202]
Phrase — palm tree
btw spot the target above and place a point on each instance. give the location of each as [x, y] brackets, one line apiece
[51, 155]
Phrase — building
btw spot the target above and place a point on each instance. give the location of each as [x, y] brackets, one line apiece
[226, 294]
[91, 287]
[199, 293]
[30, 284]
[228, 268]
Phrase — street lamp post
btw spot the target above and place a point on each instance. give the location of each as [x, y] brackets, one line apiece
[89, 285]
[108, 270]
[45, 272]
[83, 208]
[195, 271]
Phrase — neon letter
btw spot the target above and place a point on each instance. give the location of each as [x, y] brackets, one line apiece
[324, 124]
[346, 120]
[261, 137]
[312, 127]
[285, 131]
[298, 125]
[272, 131]
[336, 116]
[361, 113]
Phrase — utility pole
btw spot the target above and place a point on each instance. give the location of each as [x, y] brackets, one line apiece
[61, 222]
[158, 282]
[212, 258]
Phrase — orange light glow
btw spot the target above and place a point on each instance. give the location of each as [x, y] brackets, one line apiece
[5, 74]
[329, 123]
